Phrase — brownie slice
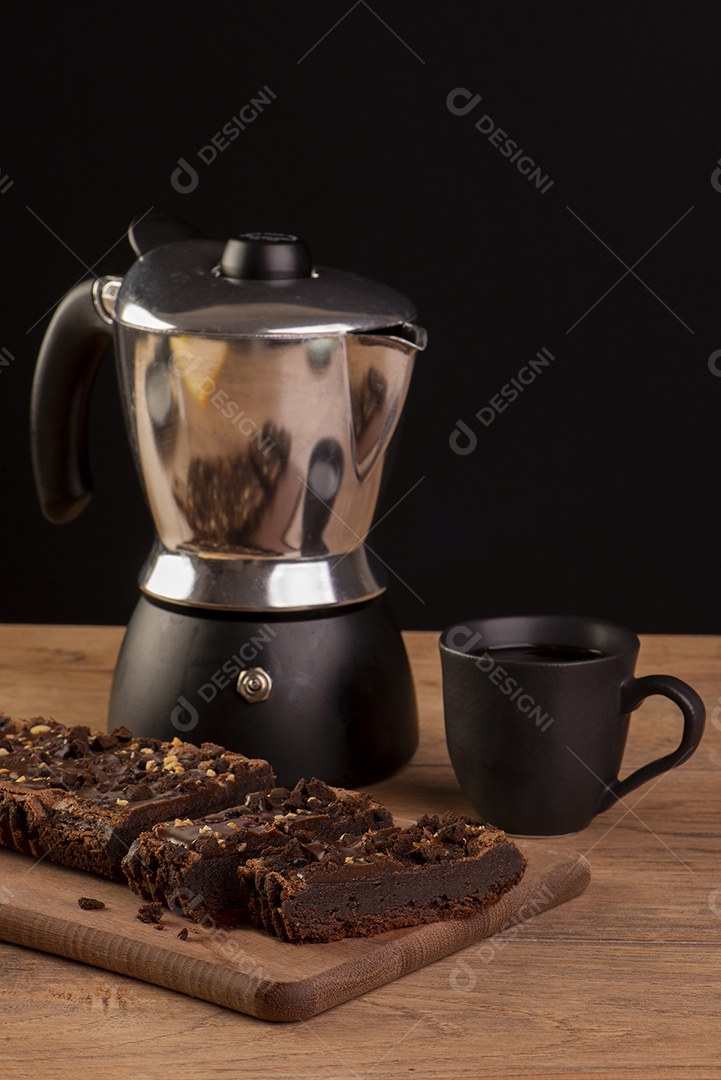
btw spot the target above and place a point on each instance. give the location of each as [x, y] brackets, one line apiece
[192, 866]
[80, 798]
[440, 868]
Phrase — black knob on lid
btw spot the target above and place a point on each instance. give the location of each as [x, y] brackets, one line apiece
[266, 256]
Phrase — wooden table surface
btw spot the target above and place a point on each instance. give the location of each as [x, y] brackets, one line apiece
[623, 981]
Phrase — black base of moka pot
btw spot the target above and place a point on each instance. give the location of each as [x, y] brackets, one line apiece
[341, 704]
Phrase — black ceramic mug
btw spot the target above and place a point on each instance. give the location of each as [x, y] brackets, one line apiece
[537, 712]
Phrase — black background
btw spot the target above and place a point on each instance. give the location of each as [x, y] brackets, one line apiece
[596, 491]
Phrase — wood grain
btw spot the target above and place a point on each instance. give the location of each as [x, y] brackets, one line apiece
[244, 969]
[623, 982]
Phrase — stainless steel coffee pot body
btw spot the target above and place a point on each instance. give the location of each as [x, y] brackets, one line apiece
[262, 462]
[259, 411]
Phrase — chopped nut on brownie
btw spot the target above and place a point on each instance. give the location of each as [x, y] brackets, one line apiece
[319, 889]
[81, 798]
[192, 865]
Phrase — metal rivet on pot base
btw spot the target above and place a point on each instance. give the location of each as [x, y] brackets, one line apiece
[254, 684]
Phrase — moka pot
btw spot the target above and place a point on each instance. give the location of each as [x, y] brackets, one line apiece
[260, 394]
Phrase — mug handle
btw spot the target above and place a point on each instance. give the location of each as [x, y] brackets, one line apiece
[694, 718]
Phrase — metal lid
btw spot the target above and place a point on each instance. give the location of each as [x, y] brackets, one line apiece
[184, 287]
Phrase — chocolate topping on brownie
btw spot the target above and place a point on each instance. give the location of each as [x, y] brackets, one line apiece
[81, 797]
[192, 865]
[109, 770]
[264, 815]
[316, 889]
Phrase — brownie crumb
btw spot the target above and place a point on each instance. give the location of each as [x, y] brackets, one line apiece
[150, 913]
[121, 734]
[183, 934]
[87, 903]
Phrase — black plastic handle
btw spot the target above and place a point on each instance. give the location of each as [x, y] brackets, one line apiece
[694, 719]
[67, 364]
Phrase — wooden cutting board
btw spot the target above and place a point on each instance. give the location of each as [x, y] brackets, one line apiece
[245, 969]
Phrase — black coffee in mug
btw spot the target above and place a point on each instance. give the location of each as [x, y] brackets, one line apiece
[560, 654]
[537, 711]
